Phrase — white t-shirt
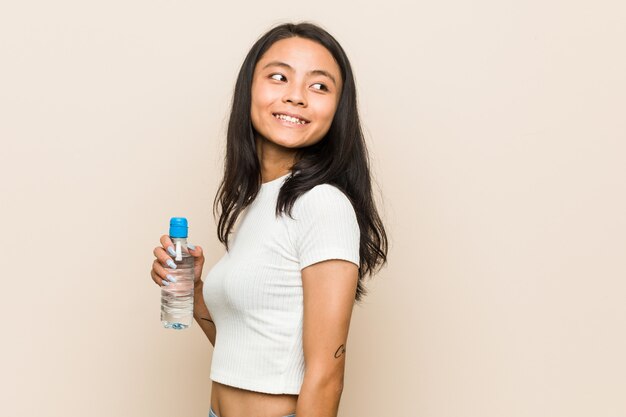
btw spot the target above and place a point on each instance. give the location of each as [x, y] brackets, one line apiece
[254, 292]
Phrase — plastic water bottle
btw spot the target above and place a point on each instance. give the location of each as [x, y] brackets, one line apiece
[177, 297]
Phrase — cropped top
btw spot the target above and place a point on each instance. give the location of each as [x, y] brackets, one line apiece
[254, 292]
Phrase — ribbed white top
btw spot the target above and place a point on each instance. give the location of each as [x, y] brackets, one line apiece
[254, 292]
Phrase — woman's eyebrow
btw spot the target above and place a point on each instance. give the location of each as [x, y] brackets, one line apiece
[324, 73]
[312, 72]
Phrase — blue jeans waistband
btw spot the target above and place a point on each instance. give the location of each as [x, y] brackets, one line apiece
[212, 414]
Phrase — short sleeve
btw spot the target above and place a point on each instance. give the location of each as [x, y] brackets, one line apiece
[325, 226]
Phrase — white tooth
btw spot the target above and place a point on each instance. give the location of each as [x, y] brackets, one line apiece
[290, 119]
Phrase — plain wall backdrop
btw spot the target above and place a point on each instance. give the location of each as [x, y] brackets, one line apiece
[497, 138]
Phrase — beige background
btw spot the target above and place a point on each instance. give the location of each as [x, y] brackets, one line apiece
[496, 131]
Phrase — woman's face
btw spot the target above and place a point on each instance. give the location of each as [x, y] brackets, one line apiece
[295, 91]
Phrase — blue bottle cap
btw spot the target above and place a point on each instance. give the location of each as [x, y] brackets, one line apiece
[178, 227]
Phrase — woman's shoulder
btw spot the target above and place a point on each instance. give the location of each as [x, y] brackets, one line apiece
[324, 200]
[324, 195]
[324, 226]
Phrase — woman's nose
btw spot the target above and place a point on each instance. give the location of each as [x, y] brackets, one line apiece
[295, 95]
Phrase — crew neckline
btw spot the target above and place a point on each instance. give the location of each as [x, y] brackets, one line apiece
[275, 180]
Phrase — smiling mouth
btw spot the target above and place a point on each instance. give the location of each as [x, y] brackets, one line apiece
[290, 119]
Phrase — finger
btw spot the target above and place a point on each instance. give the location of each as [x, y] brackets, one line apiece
[198, 257]
[163, 258]
[167, 244]
[196, 251]
[161, 275]
[157, 279]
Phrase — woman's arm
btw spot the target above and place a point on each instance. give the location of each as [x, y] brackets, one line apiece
[329, 289]
[201, 313]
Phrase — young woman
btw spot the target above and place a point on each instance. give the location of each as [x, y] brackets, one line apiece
[277, 306]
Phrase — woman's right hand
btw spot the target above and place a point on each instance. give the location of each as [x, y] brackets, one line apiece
[159, 273]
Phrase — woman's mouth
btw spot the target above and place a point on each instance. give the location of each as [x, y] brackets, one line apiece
[293, 120]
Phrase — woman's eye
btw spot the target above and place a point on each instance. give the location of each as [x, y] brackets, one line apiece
[321, 87]
[277, 77]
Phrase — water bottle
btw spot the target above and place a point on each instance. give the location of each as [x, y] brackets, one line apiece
[177, 297]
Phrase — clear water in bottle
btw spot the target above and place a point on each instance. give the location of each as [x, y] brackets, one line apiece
[177, 297]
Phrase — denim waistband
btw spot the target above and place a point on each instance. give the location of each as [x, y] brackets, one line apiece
[212, 414]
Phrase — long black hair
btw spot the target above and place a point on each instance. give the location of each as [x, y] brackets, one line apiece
[340, 158]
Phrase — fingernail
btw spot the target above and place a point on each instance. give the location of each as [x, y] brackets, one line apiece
[166, 283]
[171, 264]
[170, 277]
[171, 251]
[190, 246]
